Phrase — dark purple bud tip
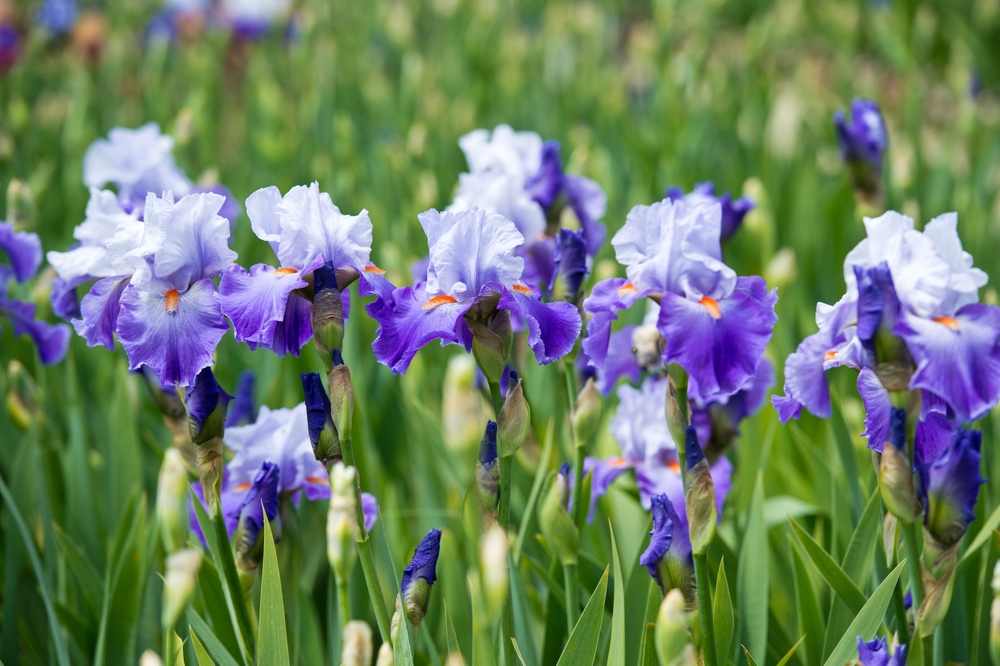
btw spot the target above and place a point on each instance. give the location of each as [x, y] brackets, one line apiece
[488, 448]
[317, 405]
[692, 449]
[424, 562]
[206, 404]
[897, 428]
[338, 358]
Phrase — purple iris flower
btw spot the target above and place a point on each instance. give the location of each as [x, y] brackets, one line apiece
[24, 251]
[717, 423]
[10, 46]
[516, 175]
[472, 264]
[423, 566]
[640, 428]
[950, 485]
[269, 306]
[863, 141]
[909, 320]
[57, 17]
[876, 653]
[669, 543]
[243, 409]
[733, 210]
[252, 19]
[137, 162]
[166, 314]
[259, 501]
[716, 325]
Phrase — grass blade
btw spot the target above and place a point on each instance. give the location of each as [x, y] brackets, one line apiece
[212, 645]
[272, 640]
[616, 654]
[581, 648]
[723, 619]
[868, 619]
[831, 572]
[753, 574]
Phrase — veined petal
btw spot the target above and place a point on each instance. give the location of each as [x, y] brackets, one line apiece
[24, 250]
[256, 301]
[313, 227]
[877, 408]
[719, 343]
[958, 358]
[410, 318]
[81, 262]
[50, 340]
[552, 327]
[176, 342]
[262, 209]
[605, 300]
[99, 311]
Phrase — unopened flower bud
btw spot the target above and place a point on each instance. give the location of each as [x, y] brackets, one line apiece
[322, 432]
[587, 413]
[648, 344]
[699, 495]
[206, 405]
[327, 313]
[20, 205]
[676, 423]
[554, 520]
[515, 418]
[419, 576]
[178, 584]
[165, 397]
[489, 348]
[150, 658]
[341, 521]
[487, 470]
[896, 473]
[493, 551]
[462, 405]
[672, 635]
[571, 265]
[384, 655]
[357, 650]
[172, 500]
[22, 396]
[341, 396]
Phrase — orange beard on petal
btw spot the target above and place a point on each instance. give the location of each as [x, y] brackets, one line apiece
[438, 300]
[171, 300]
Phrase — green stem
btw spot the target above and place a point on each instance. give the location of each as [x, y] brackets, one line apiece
[913, 565]
[342, 602]
[365, 553]
[503, 519]
[705, 610]
[169, 658]
[572, 602]
[232, 579]
[938, 646]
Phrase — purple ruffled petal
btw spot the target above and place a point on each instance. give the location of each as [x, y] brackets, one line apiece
[620, 362]
[256, 301]
[605, 300]
[408, 319]
[719, 343]
[64, 300]
[175, 343]
[99, 311]
[295, 328]
[958, 358]
[24, 250]
[604, 473]
[552, 327]
[50, 340]
[877, 408]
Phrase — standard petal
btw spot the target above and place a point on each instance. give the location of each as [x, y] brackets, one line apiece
[256, 301]
[50, 340]
[262, 209]
[24, 250]
[99, 312]
[719, 343]
[958, 358]
[312, 227]
[408, 319]
[552, 327]
[175, 343]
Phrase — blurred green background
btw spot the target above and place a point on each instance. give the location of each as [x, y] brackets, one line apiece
[369, 99]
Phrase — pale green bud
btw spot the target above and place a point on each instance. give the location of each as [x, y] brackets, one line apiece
[22, 396]
[493, 552]
[896, 484]
[490, 350]
[555, 522]
[384, 655]
[587, 413]
[514, 421]
[676, 423]
[357, 650]
[699, 495]
[178, 584]
[672, 636]
[462, 406]
[342, 521]
[341, 396]
[172, 500]
[995, 618]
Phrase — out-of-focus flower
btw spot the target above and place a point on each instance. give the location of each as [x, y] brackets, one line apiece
[178, 584]
[473, 283]
[24, 252]
[733, 210]
[271, 306]
[252, 19]
[357, 650]
[876, 653]
[715, 324]
[10, 46]
[909, 320]
[243, 409]
[57, 17]
[863, 141]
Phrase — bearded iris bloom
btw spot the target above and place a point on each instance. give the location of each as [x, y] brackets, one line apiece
[876, 653]
[24, 252]
[863, 141]
[271, 306]
[910, 320]
[473, 275]
[715, 324]
[950, 488]
[733, 210]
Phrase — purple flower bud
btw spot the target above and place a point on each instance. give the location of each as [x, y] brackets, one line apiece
[953, 482]
[863, 141]
[260, 501]
[571, 265]
[322, 431]
[419, 575]
[668, 556]
[206, 404]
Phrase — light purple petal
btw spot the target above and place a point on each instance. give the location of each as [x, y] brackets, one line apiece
[877, 409]
[604, 473]
[313, 227]
[408, 319]
[640, 424]
[374, 283]
[605, 300]
[99, 312]
[369, 506]
[64, 299]
[958, 358]
[176, 344]
[719, 343]
[552, 327]
[620, 362]
[50, 340]
[295, 328]
[256, 301]
[24, 250]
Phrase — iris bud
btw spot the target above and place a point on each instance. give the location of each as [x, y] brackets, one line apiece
[487, 470]
[357, 650]
[178, 584]
[384, 655]
[515, 418]
[672, 636]
[22, 396]
[699, 496]
[587, 413]
[554, 520]
[171, 500]
[322, 432]
[493, 551]
[896, 473]
[341, 521]
[490, 348]
[418, 577]
[261, 502]
[676, 422]
[341, 396]
[206, 405]
[327, 313]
